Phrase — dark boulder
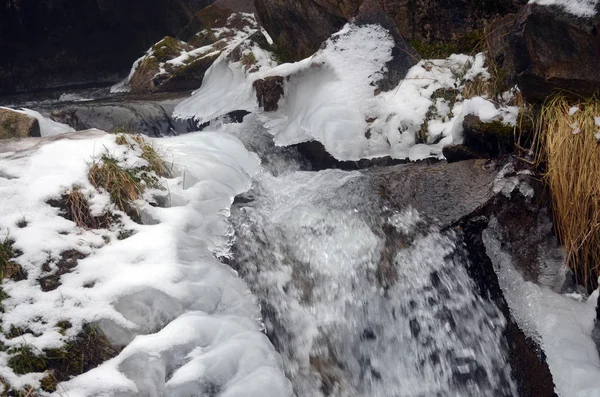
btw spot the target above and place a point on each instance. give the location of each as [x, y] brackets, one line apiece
[489, 139]
[545, 49]
[442, 21]
[268, 92]
[297, 27]
[454, 153]
[458, 23]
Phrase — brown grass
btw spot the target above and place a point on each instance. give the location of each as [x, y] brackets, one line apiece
[123, 185]
[568, 146]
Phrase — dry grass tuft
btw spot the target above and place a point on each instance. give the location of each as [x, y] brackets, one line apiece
[123, 185]
[566, 142]
[9, 268]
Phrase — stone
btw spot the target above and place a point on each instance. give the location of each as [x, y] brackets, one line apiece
[298, 27]
[545, 49]
[268, 92]
[422, 22]
[454, 153]
[487, 139]
[17, 125]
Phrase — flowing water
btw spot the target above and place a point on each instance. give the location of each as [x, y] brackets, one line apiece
[361, 297]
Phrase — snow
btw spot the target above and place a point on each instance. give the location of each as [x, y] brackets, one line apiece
[580, 8]
[162, 292]
[330, 97]
[560, 324]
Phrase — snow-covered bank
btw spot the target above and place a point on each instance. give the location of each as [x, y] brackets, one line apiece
[332, 97]
[190, 324]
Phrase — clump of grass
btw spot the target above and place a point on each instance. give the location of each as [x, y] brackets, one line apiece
[75, 207]
[89, 349]
[566, 142]
[248, 60]
[122, 184]
[24, 360]
[156, 162]
[9, 268]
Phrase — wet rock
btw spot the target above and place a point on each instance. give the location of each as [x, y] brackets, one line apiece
[521, 213]
[17, 125]
[446, 192]
[149, 118]
[319, 158]
[487, 139]
[454, 153]
[545, 49]
[268, 92]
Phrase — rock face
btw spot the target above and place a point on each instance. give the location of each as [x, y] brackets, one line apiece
[17, 125]
[66, 42]
[544, 49]
[424, 21]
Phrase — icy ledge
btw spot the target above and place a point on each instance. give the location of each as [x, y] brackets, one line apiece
[332, 97]
[190, 325]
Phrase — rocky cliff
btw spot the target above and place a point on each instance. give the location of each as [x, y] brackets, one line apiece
[49, 43]
[422, 22]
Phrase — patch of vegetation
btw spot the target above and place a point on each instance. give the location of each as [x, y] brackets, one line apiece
[124, 185]
[203, 38]
[167, 49]
[8, 127]
[567, 144]
[74, 206]
[86, 351]
[437, 50]
[9, 268]
[248, 60]
[24, 360]
[449, 95]
[473, 41]
[282, 53]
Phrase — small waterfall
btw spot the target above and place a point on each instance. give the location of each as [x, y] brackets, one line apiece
[362, 298]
